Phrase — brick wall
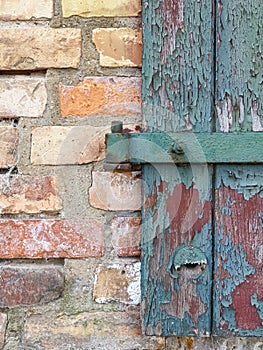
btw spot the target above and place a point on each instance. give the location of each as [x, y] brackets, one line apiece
[70, 230]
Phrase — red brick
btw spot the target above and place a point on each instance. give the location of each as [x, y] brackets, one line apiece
[3, 323]
[116, 191]
[28, 194]
[27, 284]
[126, 236]
[118, 282]
[118, 47]
[50, 239]
[8, 146]
[101, 96]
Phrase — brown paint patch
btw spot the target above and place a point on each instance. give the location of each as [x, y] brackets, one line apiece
[173, 19]
[242, 220]
[187, 212]
[185, 209]
[189, 343]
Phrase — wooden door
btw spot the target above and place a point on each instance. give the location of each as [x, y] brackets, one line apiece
[202, 244]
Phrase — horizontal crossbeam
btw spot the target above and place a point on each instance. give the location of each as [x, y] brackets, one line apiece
[184, 147]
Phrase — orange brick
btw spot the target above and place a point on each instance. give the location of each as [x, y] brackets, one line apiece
[126, 235]
[119, 47]
[28, 194]
[101, 96]
[50, 238]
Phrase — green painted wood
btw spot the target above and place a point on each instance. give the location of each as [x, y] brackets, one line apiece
[190, 84]
[177, 65]
[238, 290]
[185, 148]
[238, 195]
[239, 72]
[176, 220]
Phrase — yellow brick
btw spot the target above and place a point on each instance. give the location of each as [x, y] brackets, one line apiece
[106, 8]
[118, 47]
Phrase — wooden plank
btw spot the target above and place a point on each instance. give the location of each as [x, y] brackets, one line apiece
[239, 251]
[239, 90]
[176, 250]
[177, 96]
[238, 224]
[243, 147]
[177, 68]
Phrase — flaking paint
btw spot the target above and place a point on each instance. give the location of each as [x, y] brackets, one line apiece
[176, 222]
[183, 89]
[239, 60]
[177, 65]
[238, 281]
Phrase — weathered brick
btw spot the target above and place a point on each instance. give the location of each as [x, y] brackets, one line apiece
[39, 48]
[8, 146]
[3, 323]
[99, 330]
[59, 145]
[28, 194]
[126, 235]
[24, 10]
[101, 96]
[115, 191]
[104, 8]
[27, 284]
[68, 144]
[118, 282]
[22, 96]
[50, 238]
[118, 47]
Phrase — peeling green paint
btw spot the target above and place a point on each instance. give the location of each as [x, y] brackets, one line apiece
[185, 85]
[177, 65]
[160, 287]
[247, 180]
[239, 65]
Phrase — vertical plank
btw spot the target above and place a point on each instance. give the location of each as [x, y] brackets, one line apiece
[238, 223]
[176, 250]
[239, 65]
[238, 306]
[177, 96]
[177, 65]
